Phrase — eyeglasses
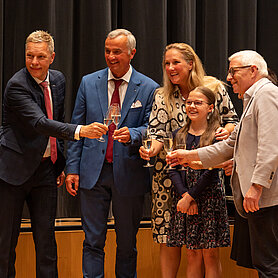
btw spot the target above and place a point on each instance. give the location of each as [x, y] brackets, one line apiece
[196, 103]
[232, 70]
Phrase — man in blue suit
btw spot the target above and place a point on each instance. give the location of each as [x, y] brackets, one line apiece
[31, 162]
[120, 176]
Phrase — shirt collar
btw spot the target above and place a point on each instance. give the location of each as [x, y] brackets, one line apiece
[40, 81]
[251, 90]
[126, 77]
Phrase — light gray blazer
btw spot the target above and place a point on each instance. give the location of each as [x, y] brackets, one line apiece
[254, 146]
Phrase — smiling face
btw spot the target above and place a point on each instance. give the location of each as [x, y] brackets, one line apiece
[38, 59]
[177, 68]
[243, 77]
[198, 112]
[117, 55]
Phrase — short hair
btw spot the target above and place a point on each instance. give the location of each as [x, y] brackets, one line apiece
[131, 41]
[253, 58]
[41, 36]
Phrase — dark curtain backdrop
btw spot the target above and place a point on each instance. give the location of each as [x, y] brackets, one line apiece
[214, 28]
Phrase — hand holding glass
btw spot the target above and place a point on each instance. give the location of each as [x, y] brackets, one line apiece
[168, 144]
[147, 142]
[116, 114]
[107, 121]
[180, 144]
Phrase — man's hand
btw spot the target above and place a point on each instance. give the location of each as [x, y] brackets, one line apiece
[72, 184]
[93, 131]
[252, 197]
[182, 157]
[61, 179]
[122, 135]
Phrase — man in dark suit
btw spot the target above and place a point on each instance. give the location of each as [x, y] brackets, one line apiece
[31, 162]
[105, 171]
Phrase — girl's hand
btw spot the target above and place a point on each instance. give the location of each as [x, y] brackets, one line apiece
[184, 203]
[193, 209]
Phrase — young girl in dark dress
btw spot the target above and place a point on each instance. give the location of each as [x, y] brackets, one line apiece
[199, 214]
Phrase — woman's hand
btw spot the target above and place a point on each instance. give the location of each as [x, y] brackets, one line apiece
[146, 154]
[156, 147]
[221, 133]
[228, 167]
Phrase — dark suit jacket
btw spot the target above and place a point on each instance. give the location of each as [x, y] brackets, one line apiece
[26, 129]
[86, 157]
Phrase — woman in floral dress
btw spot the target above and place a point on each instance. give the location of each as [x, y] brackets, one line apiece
[182, 72]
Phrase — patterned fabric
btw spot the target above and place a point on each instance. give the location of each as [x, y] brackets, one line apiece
[207, 229]
[160, 122]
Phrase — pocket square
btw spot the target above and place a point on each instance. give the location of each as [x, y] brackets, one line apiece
[136, 104]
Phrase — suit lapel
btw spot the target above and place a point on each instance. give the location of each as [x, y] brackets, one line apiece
[102, 91]
[131, 94]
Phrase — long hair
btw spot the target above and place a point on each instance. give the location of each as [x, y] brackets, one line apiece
[195, 78]
[213, 118]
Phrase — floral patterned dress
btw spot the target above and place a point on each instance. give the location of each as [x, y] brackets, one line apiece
[209, 228]
[160, 122]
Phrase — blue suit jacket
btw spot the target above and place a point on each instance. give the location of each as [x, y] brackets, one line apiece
[86, 157]
[26, 128]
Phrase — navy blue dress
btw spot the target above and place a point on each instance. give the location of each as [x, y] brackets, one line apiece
[209, 228]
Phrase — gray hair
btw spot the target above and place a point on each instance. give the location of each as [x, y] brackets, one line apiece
[131, 41]
[41, 36]
[251, 57]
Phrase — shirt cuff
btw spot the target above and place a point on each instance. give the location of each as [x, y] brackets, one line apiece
[76, 133]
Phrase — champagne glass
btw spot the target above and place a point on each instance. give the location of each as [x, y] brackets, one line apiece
[168, 145]
[147, 142]
[107, 121]
[115, 113]
[180, 144]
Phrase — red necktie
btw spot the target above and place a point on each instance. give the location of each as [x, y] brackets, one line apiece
[115, 99]
[53, 146]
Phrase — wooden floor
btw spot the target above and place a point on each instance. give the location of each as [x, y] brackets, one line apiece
[70, 255]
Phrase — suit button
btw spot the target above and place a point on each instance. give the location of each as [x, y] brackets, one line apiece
[102, 151]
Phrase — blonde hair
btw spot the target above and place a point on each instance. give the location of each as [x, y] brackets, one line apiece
[196, 75]
[213, 118]
[41, 36]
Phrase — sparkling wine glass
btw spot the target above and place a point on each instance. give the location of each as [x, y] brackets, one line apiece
[115, 113]
[168, 145]
[107, 121]
[147, 142]
[180, 141]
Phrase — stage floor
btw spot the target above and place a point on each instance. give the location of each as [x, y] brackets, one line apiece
[70, 236]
